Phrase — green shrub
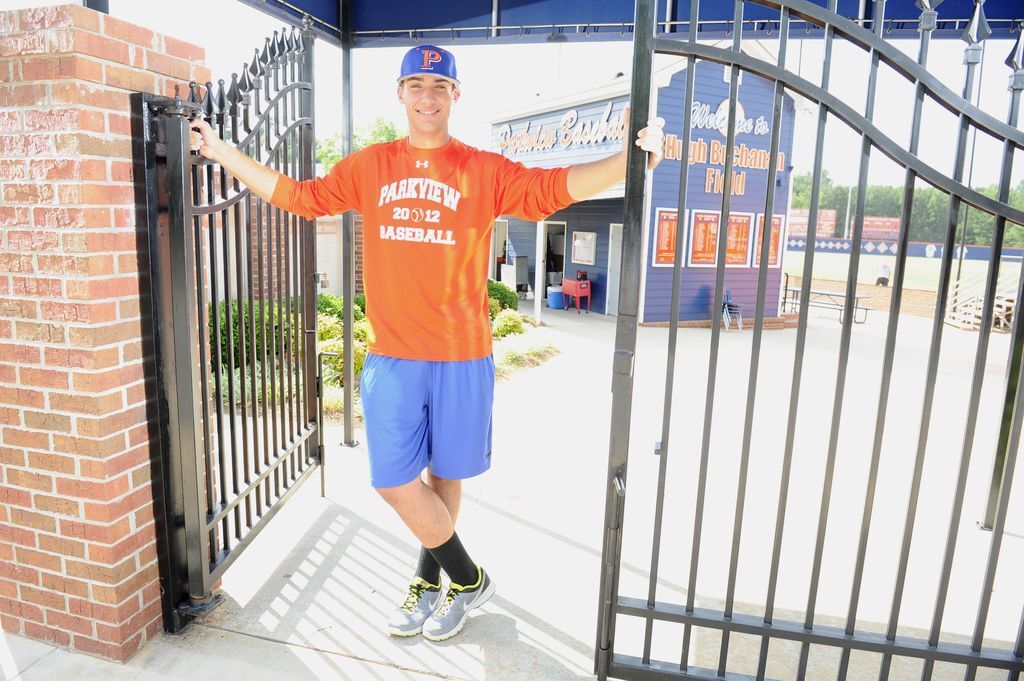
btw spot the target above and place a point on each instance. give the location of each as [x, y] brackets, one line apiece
[334, 306]
[493, 307]
[361, 331]
[268, 322]
[334, 367]
[503, 294]
[361, 302]
[276, 391]
[328, 327]
[507, 322]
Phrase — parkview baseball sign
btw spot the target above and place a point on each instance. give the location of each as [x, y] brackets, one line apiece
[572, 130]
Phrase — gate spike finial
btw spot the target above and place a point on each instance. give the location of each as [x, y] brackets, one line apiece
[256, 67]
[221, 99]
[927, 5]
[207, 103]
[272, 48]
[245, 82]
[193, 93]
[977, 28]
[282, 44]
[307, 22]
[234, 96]
[265, 56]
[1015, 60]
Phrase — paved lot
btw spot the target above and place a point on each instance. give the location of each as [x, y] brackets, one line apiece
[307, 600]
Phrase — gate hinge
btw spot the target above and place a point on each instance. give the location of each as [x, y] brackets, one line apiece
[619, 481]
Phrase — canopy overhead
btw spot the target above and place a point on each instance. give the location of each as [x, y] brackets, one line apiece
[409, 22]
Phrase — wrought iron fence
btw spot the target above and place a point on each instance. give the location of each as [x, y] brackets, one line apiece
[235, 309]
[969, 659]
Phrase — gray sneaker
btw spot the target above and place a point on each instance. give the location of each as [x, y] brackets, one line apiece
[408, 618]
[450, 616]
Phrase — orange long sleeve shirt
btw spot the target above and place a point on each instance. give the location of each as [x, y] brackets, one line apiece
[427, 220]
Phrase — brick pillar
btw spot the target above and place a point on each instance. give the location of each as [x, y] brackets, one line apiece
[78, 561]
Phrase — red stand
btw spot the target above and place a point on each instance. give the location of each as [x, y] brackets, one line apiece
[576, 289]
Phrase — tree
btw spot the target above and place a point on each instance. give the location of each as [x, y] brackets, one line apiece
[380, 131]
[329, 151]
[929, 217]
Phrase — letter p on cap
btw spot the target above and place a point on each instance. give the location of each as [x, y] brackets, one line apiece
[430, 57]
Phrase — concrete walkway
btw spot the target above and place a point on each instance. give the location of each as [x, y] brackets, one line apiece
[308, 599]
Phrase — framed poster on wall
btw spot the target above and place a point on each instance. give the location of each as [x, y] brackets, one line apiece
[584, 248]
[704, 239]
[665, 225]
[778, 223]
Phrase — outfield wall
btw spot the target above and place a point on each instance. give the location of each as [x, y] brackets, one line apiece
[916, 249]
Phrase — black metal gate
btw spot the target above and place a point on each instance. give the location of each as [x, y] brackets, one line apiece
[928, 653]
[234, 308]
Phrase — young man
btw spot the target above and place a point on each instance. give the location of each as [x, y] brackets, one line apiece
[428, 203]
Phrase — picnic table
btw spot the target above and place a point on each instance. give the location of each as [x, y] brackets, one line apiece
[832, 300]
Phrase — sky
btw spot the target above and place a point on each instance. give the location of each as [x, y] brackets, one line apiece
[498, 77]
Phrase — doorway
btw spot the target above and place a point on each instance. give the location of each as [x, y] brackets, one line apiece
[499, 249]
[611, 305]
[554, 254]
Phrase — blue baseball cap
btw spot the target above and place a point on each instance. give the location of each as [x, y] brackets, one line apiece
[428, 60]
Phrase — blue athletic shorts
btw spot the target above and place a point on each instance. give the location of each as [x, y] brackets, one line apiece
[419, 413]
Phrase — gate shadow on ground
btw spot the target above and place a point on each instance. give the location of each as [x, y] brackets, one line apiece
[332, 587]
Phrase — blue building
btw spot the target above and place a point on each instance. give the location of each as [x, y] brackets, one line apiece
[587, 237]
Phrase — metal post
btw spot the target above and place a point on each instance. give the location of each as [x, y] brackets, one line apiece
[1016, 62]
[310, 282]
[540, 270]
[182, 358]
[348, 245]
[149, 172]
[625, 336]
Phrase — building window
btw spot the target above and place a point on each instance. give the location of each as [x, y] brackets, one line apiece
[584, 248]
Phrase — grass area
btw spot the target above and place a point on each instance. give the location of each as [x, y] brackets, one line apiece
[922, 273]
[514, 360]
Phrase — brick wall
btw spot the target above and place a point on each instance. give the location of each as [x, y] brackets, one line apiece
[78, 564]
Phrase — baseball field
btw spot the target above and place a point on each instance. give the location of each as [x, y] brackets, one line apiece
[922, 273]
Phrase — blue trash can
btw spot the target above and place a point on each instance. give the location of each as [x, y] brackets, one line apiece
[555, 300]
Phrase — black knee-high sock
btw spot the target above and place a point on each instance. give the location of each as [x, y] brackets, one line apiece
[456, 562]
[428, 569]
